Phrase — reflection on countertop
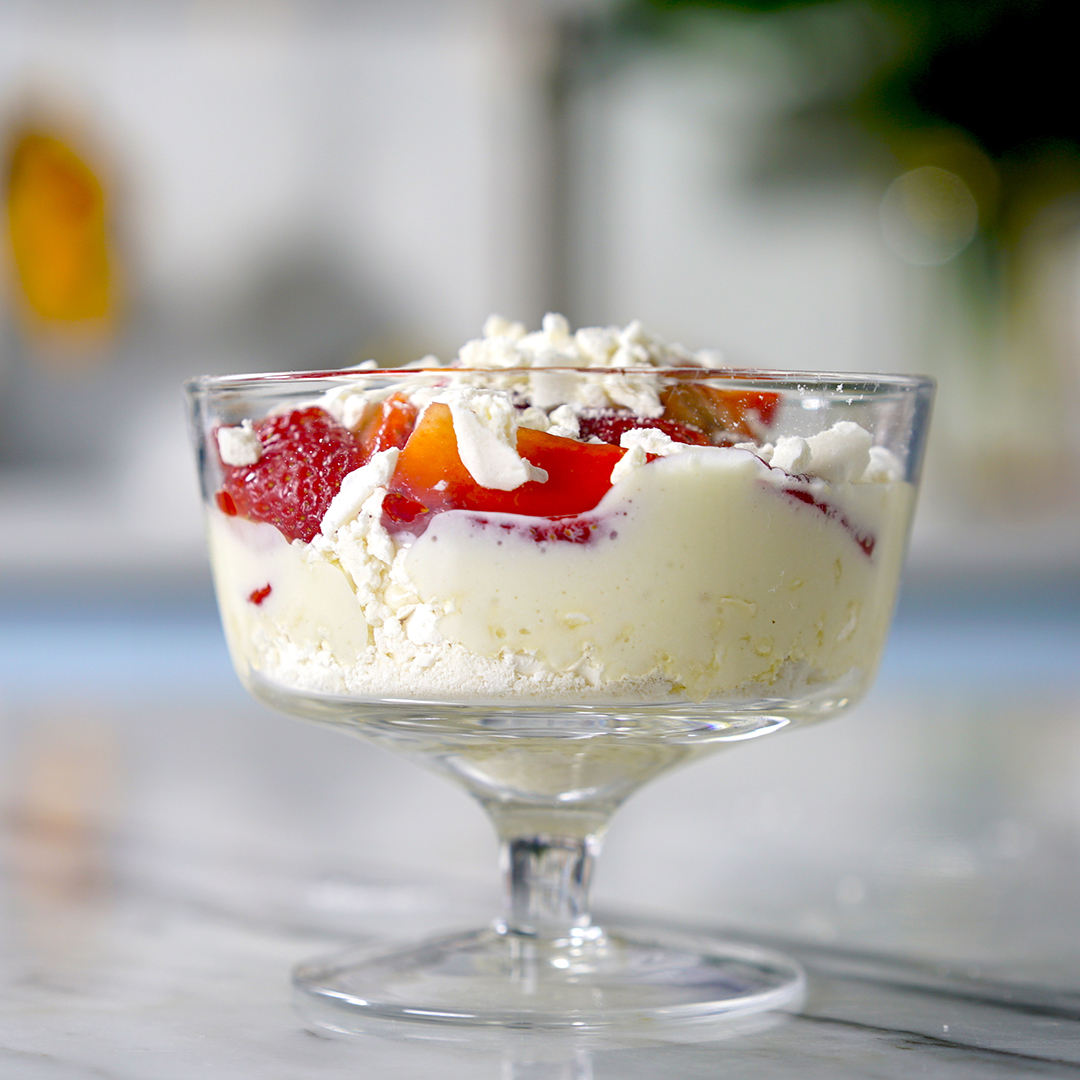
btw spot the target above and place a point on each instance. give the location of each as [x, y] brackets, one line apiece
[170, 849]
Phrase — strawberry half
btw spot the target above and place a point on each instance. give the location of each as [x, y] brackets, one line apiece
[305, 456]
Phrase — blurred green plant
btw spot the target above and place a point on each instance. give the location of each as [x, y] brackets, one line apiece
[963, 113]
[981, 88]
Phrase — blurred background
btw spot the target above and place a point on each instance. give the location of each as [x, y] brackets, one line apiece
[221, 185]
[208, 187]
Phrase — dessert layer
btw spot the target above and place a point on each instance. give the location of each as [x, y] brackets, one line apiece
[701, 576]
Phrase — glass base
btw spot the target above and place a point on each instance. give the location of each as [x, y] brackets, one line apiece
[592, 981]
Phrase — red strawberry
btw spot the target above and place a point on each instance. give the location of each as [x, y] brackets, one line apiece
[402, 514]
[305, 456]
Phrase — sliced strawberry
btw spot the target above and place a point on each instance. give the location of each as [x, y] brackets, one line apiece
[719, 411]
[865, 540]
[305, 456]
[609, 425]
[401, 509]
[387, 424]
[430, 472]
[402, 514]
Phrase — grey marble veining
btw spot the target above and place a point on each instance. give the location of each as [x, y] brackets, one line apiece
[168, 850]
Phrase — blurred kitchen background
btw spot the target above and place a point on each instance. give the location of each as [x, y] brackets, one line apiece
[222, 185]
[198, 186]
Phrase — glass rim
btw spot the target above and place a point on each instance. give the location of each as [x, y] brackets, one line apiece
[840, 383]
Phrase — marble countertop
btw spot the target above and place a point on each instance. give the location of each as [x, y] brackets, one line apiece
[170, 849]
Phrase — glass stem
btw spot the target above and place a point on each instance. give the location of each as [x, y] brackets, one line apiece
[547, 874]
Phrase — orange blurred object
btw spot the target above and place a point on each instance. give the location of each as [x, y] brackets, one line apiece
[58, 225]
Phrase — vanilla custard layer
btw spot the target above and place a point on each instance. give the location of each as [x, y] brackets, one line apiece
[704, 578]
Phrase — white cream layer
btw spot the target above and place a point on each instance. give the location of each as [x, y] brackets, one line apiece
[704, 580]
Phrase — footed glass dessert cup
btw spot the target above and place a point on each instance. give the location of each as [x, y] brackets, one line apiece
[552, 584]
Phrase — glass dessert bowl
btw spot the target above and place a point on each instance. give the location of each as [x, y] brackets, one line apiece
[552, 571]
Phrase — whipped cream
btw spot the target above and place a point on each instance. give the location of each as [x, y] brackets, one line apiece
[485, 427]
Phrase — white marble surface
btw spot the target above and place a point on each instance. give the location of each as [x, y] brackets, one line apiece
[170, 849]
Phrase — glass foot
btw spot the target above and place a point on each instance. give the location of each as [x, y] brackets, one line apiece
[588, 982]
